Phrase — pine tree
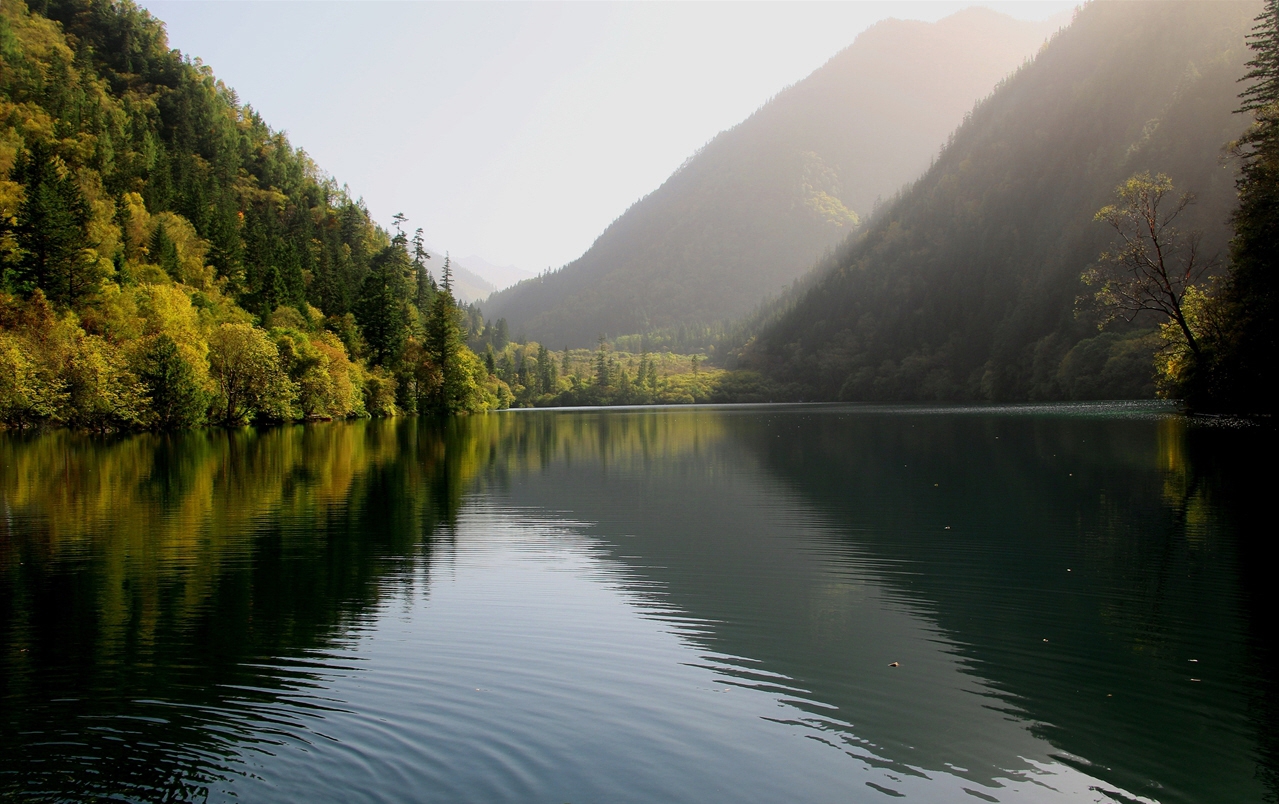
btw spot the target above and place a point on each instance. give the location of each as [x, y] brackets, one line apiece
[1263, 70]
[521, 370]
[381, 310]
[601, 365]
[177, 400]
[426, 287]
[1249, 302]
[164, 252]
[50, 231]
[446, 349]
[545, 370]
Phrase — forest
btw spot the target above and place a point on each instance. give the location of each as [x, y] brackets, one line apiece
[170, 260]
[612, 374]
[996, 277]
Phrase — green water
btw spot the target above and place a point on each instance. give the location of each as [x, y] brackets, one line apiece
[697, 604]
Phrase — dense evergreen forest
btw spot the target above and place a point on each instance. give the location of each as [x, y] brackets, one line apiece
[759, 204]
[168, 259]
[968, 285]
[1239, 325]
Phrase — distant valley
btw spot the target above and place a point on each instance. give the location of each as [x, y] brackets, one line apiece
[474, 277]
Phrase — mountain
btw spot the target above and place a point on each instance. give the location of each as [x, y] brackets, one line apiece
[499, 276]
[468, 286]
[474, 278]
[167, 259]
[965, 287]
[753, 209]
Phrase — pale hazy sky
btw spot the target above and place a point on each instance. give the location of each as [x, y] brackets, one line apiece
[517, 130]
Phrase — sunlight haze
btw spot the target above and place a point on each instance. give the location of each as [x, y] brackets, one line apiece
[517, 131]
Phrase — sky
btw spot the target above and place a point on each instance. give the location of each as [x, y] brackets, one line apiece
[517, 131]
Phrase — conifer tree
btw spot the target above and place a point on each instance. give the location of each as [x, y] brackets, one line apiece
[446, 349]
[641, 377]
[164, 252]
[177, 400]
[1250, 299]
[381, 307]
[545, 370]
[425, 282]
[50, 231]
[521, 370]
[601, 365]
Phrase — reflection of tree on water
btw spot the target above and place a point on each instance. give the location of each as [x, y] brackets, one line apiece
[160, 595]
[1141, 519]
[1123, 504]
[1227, 477]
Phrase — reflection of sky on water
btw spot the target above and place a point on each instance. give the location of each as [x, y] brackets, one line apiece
[538, 667]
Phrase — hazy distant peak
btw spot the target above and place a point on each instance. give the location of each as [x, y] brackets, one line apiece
[755, 207]
[499, 276]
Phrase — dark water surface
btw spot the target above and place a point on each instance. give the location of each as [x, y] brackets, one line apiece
[649, 605]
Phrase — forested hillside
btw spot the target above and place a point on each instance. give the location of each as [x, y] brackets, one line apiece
[169, 259]
[761, 202]
[968, 285]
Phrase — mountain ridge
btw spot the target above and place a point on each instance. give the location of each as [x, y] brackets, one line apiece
[966, 287]
[753, 209]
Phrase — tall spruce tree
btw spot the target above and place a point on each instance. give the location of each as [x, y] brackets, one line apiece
[50, 231]
[546, 379]
[177, 400]
[381, 310]
[1250, 301]
[446, 348]
[425, 282]
[164, 252]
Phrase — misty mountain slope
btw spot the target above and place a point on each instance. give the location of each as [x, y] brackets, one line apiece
[761, 202]
[474, 278]
[965, 287]
[468, 284]
[498, 276]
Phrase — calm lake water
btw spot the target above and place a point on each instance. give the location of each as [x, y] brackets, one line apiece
[755, 604]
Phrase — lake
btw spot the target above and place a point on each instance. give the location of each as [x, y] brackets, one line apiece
[755, 604]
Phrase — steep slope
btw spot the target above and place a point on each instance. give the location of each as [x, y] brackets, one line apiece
[965, 287]
[167, 259]
[752, 210]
